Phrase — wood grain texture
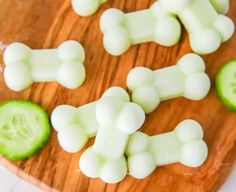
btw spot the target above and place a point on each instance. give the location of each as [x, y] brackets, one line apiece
[45, 24]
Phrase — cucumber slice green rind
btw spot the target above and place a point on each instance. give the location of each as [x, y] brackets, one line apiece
[24, 129]
[226, 85]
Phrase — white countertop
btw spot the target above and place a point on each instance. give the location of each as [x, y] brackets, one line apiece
[11, 183]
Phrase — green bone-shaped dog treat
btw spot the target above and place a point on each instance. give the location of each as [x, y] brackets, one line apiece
[184, 145]
[207, 29]
[118, 119]
[88, 7]
[154, 24]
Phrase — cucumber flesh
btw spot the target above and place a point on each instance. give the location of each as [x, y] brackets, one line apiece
[24, 128]
[226, 85]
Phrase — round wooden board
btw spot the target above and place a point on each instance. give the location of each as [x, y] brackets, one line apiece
[45, 24]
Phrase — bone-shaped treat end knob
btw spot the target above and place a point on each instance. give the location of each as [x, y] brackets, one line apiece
[92, 165]
[72, 72]
[111, 18]
[71, 50]
[117, 92]
[71, 136]
[205, 41]
[107, 110]
[168, 29]
[71, 75]
[138, 142]
[208, 40]
[225, 26]
[16, 53]
[194, 150]
[197, 84]
[140, 81]
[120, 44]
[131, 118]
[194, 154]
[111, 25]
[17, 75]
[191, 63]
[85, 7]
[128, 116]
[189, 130]
[139, 76]
[147, 97]
[141, 163]
[62, 116]
[114, 171]
[110, 104]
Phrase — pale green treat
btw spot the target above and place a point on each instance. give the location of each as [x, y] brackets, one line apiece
[86, 7]
[207, 29]
[89, 7]
[187, 78]
[183, 145]
[117, 118]
[222, 6]
[226, 85]
[151, 25]
[25, 66]
[24, 129]
[76, 125]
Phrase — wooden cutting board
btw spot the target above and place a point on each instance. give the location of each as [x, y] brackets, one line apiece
[45, 24]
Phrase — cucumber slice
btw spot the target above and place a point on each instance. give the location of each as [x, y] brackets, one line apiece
[226, 85]
[24, 128]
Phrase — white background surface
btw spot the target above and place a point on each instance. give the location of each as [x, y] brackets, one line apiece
[11, 183]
